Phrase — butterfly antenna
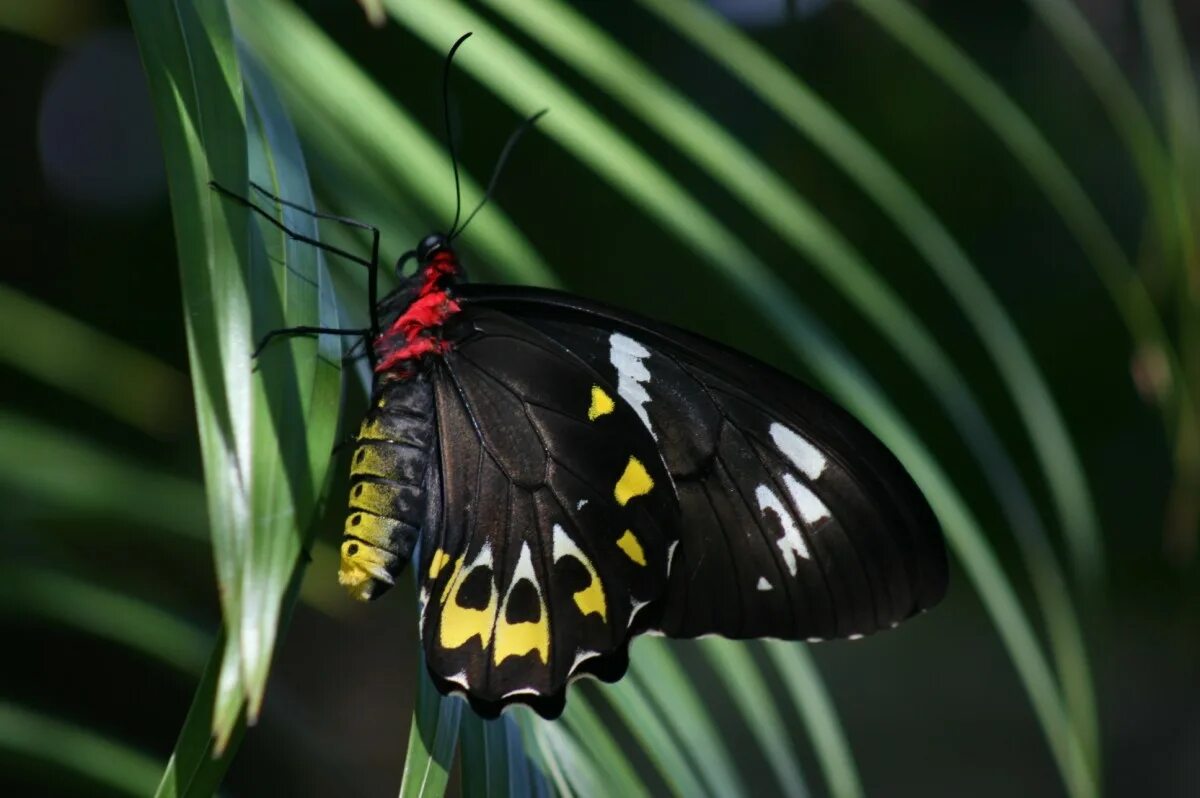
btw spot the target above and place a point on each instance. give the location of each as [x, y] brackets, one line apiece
[449, 131]
[513, 138]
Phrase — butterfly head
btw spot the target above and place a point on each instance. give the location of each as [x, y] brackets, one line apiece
[430, 245]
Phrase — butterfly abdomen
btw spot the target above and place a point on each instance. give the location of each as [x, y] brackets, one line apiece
[387, 486]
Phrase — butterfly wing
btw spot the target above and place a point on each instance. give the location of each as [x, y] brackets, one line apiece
[796, 522]
[551, 515]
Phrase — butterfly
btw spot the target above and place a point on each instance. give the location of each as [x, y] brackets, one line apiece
[564, 475]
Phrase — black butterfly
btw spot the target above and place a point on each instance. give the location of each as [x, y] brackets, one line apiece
[566, 475]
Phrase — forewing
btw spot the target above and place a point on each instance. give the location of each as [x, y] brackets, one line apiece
[796, 522]
[552, 527]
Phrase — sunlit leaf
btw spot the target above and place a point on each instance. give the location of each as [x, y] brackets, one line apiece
[432, 741]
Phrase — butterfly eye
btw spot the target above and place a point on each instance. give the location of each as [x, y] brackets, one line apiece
[429, 246]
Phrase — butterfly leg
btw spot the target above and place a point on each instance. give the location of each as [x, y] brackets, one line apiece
[372, 265]
[289, 232]
[287, 332]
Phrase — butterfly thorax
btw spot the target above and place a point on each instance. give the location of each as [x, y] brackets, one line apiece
[420, 306]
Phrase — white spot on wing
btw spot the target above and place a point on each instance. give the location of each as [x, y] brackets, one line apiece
[791, 542]
[521, 691]
[627, 355]
[855, 637]
[803, 454]
[565, 547]
[422, 603]
[580, 504]
[811, 508]
[460, 679]
[524, 570]
[671, 556]
[637, 605]
[582, 656]
[763, 584]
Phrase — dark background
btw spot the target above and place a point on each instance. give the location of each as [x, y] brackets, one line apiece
[85, 227]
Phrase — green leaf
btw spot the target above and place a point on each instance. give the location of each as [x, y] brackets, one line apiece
[432, 740]
[671, 691]
[188, 54]
[967, 541]
[493, 758]
[620, 776]
[1099, 68]
[635, 709]
[1070, 200]
[197, 764]
[266, 433]
[60, 471]
[799, 675]
[356, 127]
[91, 366]
[745, 683]
[298, 395]
[65, 599]
[1181, 105]
[807, 113]
[83, 753]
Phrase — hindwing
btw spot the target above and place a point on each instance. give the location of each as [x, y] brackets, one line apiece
[551, 522]
[794, 520]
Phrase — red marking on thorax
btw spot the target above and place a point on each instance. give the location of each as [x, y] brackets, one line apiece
[415, 329]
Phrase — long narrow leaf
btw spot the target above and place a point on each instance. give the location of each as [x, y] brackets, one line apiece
[1099, 68]
[91, 366]
[1033, 152]
[808, 114]
[67, 473]
[799, 675]
[197, 765]
[106, 764]
[1182, 109]
[188, 54]
[493, 759]
[635, 709]
[432, 740]
[602, 748]
[359, 124]
[265, 433]
[663, 679]
[65, 599]
[298, 395]
[746, 684]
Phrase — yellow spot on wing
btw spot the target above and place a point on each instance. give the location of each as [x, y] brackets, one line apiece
[632, 548]
[515, 639]
[634, 482]
[440, 558]
[460, 624]
[591, 598]
[602, 403]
